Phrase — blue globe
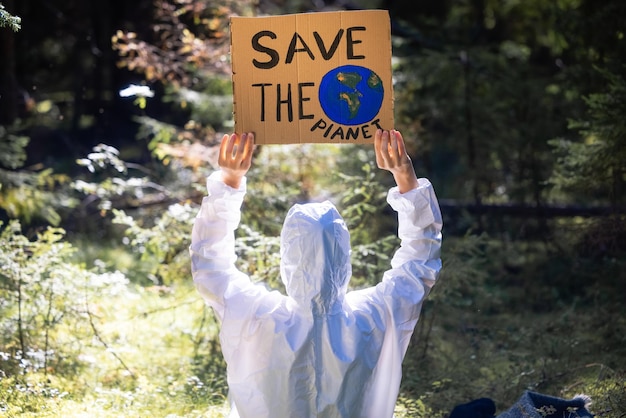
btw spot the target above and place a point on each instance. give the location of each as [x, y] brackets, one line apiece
[351, 95]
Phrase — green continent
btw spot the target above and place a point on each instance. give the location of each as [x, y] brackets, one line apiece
[373, 81]
[349, 79]
[353, 101]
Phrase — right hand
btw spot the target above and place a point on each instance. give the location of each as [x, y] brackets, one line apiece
[235, 158]
[391, 155]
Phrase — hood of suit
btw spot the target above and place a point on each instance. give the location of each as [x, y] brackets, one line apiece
[315, 255]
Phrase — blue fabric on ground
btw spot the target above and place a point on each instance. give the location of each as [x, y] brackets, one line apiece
[478, 408]
[533, 404]
[529, 405]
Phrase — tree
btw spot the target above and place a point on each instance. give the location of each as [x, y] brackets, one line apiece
[24, 194]
[6, 19]
[8, 82]
[595, 166]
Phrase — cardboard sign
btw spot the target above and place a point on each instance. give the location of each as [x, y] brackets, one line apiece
[312, 77]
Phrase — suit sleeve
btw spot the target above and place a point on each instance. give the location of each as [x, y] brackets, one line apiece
[419, 229]
[212, 246]
[416, 265]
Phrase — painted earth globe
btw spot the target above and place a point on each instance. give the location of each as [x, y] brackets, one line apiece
[351, 95]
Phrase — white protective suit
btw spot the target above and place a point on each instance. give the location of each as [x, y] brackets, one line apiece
[319, 351]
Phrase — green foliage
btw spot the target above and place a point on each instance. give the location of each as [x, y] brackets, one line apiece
[163, 246]
[114, 183]
[362, 199]
[6, 19]
[157, 133]
[259, 256]
[160, 243]
[26, 194]
[65, 327]
[595, 166]
[282, 176]
[471, 342]
[487, 331]
[475, 124]
[42, 292]
[479, 91]
[608, 391]
[363, 206]
[412, 408]
[464, 272]
[20, 396]
[31, 196]
[188, 57]
[592, 169]
[210, 105]
[12, 145]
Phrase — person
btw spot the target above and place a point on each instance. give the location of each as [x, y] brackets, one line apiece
[320, 350]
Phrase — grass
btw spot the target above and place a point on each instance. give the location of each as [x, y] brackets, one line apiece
[150, 357]
[152, 351]
[554, 325]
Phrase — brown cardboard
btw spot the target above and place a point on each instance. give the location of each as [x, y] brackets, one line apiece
[294, 55]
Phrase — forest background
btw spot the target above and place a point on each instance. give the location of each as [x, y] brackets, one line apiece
[515, 110]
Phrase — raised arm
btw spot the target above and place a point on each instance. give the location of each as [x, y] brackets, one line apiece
[419, 217]
[212, 247]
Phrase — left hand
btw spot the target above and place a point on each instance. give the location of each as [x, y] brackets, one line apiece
[391, 155]
[235, 158]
